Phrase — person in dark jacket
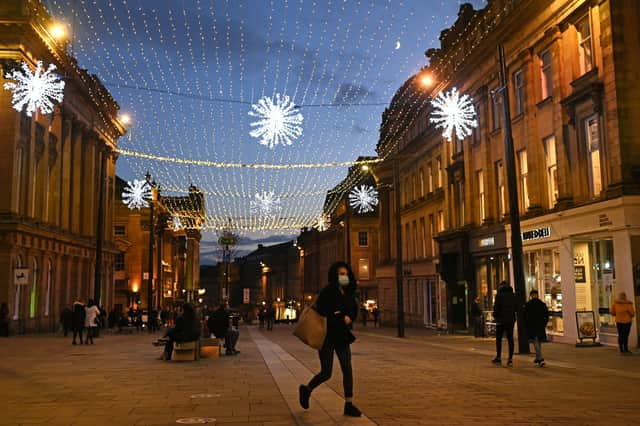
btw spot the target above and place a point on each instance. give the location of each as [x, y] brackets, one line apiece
[337, 302]
[220, 324]
[77, 320]
[4, 319]
[476, 317]
[504, 314]
[536, 316]
[66, 320]
[187, 329]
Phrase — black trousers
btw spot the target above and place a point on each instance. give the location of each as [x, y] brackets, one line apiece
[506, 329]
[91, 331]
[326, 365]
[77, 332]
[623, 335]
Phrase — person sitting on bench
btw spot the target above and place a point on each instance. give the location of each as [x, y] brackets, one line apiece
[187, 329]
[221, 326]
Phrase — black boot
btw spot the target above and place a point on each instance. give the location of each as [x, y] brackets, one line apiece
[304, 394]
[351, 410]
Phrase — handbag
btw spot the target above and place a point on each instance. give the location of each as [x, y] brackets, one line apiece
[311, 327]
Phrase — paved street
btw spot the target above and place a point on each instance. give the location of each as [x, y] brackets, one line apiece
[423, 379]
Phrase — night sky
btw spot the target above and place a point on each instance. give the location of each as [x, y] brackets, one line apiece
[188, 71]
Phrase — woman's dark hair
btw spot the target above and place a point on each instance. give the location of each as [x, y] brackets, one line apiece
[333, 275]
[188, 313]
[90, 303]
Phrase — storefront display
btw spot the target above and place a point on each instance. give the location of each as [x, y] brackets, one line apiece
[542, 272]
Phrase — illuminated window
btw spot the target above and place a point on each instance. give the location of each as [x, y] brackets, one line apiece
[592, 137]
[363, 269]
[523, 171]
[502, 208]
[481, 196]
[518, 91]
[552, 170]
[546, 79]
[585, 48]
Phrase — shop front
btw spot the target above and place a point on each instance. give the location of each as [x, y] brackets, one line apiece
[455, 270]
[579, 260]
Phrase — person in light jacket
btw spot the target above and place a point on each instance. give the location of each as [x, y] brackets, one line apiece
[337, 302]
[91, 321]
[622, 309]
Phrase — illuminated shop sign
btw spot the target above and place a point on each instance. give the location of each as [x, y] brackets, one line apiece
[536, 234]
[487, 242]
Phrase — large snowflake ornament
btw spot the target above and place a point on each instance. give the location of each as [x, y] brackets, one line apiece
[279, 123]
[454, 113]
[323, 222]
[265, 204]
[137, 194]
[176, 223]
[364, 198]
[37, 89]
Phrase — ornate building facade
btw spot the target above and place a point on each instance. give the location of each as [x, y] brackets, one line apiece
[57, 173]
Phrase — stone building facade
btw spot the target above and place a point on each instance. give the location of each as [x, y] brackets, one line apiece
[573, 87]
[57, 174]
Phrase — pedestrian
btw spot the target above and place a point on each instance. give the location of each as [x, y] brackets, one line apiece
[91, 321]
[4, 320]
[476, 317]
[187, 329]
[337, 302]
[77, 320]
[221, 325]
[364, 313]
[261, 314]
[270, 316]
[66, 320]
[536, 317]
[622, 309]
[504, 314]
[376, 315]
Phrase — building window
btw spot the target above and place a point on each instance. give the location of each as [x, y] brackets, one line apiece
[429, 177]
[585, 49]
[518, 91]
[119, 262]
[363, 269]
[407, 239]
[523, 171]
[363, 239]
[495, 109]
[460, 202]
[423, 237]
[552, 170]
[414, 192]
[438, 172]
[120, 231]
[33, 297]
[414, 236]
[481, 196]
[476, 130]
[421, 182]
[592, 137]
[432, 231]
[440, 221]
[502, 208]
[546, 79]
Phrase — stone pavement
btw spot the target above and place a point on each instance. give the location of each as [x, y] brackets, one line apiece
[422, 379]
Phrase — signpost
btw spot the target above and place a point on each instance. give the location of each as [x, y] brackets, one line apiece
[21, 276]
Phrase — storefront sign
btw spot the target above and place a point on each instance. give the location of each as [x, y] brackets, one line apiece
[579, 274]
[536, 234]
[20, 276]
[487, 242]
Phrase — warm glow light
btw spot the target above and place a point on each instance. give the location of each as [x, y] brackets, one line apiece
[125, 119]
[278, 299]
[365, 167]
[426, 80]
[135, 287]
[58, 31]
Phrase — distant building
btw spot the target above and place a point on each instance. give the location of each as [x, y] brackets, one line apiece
[57, 178]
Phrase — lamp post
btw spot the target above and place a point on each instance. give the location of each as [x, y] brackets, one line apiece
[150, 268]
[514, 214]
[97, 280]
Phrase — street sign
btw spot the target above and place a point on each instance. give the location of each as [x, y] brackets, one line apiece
[246, 294]
[21, 276]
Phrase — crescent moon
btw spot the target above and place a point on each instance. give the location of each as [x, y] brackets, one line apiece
[397, 45]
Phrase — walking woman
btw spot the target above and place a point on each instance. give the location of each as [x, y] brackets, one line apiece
[91, 321]
[336, 302]
[622, 309]
[77, 321]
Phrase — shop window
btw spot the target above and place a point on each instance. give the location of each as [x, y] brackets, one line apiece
[120, 231]
[363, 239]
[585, 48]
[552, 170]
[523, 172]
[542, 273]
[500, 190]
[518, 91]
[592, 138]
[546, 78]
[363, 269]
[481, 196]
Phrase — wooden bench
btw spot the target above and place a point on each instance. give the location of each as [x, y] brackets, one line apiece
[210, 347]
[186, 351]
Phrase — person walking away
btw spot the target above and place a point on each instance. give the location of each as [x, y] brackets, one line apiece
[271, 316]
[536, 316]
[92, 313]
[376, 315]
[504, 313]
[77, 320]
[364, 313]
[622, 309]
[337, 302]
[261, 314]
[476, 317]
[187, 329]
[4, 320]
[66, 320]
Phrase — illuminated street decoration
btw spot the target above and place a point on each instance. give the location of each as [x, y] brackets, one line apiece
[137, 194]
[37, 89]
[279, 123]
[454, 113]
[323, 222]
[176, 223]
[364, 198]
[265, 204]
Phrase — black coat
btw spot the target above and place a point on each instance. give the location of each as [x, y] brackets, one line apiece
[536, 315]
[218, 323]
[186, 330]
[505, 306]
[335, 305]
[77, 320]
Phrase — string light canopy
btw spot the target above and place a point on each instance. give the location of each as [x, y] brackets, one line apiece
[242, 98]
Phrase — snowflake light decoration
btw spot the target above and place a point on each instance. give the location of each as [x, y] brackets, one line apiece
[454, 113]
[176, 223]
[265, 204]
[137, 194]
[36, 89]
[279, 123]
[323, 222]
[364, 198]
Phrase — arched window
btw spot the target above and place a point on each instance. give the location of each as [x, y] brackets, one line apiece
[16, 296]
[33, 299]
[47, 300]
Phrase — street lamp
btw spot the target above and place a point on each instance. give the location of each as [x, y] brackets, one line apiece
[151, 238]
